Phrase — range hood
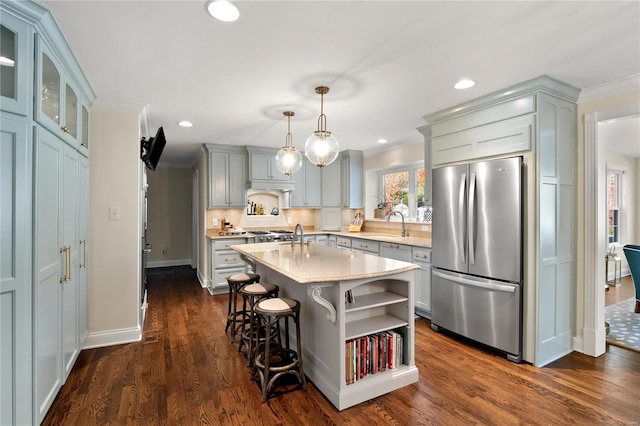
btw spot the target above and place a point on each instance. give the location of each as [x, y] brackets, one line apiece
[271, 185]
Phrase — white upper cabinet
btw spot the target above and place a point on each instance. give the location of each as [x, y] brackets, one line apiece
[59, 104]
[351, 177]
[263, 172]
[331, 184]
[16, 49]
[227, 176]
[307, 183]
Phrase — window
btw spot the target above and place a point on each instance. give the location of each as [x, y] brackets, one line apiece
[614, 205]
[403, 190]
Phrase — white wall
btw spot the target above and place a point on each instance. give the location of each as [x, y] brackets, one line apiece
[114, 269]
[169, 216]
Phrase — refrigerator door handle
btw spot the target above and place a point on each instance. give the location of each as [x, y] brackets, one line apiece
[486, 284]
[472, 219]
[461, 214]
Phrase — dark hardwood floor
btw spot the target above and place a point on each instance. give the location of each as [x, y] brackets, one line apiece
[185, 372]
[621, 292]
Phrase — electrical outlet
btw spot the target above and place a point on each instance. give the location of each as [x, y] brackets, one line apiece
[289, 220]
[425, 227]
[214, 222]
[114, 213]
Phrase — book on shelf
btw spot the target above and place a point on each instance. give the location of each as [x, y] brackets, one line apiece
[372, 354]
[348, 297]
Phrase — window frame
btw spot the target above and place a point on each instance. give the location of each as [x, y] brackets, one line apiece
[619, 171]
[413, 185]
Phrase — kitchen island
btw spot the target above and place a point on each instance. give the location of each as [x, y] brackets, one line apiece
[345, 296]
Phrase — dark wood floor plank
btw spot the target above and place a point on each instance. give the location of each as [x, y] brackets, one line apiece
[185, 371]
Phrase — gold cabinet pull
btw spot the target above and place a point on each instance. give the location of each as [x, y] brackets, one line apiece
[84, 254]
[63, 278]
[67, 264]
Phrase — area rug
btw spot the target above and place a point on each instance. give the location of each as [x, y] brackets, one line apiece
[624, 325]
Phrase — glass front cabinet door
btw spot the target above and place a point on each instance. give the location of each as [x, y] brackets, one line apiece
[15, 66]
[58, 104]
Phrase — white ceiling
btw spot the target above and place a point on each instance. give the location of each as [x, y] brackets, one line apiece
[621, 135]
[387, 63]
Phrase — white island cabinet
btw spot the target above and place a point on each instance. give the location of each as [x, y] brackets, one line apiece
[383, 302]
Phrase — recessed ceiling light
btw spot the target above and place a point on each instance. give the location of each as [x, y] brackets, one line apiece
[223, 10]
[464, 84]
[382, 141]
[185, 123]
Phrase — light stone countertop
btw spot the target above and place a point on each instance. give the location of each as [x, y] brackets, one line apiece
[375, 236]
[315, 263]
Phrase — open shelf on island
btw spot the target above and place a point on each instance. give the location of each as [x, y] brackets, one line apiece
[371, 325]
[366, 301]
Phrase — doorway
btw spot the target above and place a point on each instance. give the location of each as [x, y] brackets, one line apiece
[595, 231]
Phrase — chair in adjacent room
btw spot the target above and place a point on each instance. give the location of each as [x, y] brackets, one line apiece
[632, 252]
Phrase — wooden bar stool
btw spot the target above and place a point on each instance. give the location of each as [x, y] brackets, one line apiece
[236, 282]
[252, 294]
[273, 363]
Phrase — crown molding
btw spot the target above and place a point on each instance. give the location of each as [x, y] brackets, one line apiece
[129, 108]
[621, 85]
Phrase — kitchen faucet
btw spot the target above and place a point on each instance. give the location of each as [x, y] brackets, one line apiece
[295, 233]
[401, 215]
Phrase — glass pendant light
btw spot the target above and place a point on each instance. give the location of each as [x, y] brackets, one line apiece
[321, 147]
[288, 159]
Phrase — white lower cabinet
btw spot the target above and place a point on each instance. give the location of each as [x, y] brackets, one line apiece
[422, 258]
[224, 262]
[322, 240]
[365, 246]
[343, 243]
[396, 251]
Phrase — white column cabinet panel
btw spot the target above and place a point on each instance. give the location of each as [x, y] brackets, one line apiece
[82, 271]
[50, 264]
[70, 335]
[15, 272]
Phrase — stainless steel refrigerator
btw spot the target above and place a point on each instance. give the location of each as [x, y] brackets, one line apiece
[476, 283]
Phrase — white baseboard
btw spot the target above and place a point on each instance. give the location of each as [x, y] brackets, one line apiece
[623, 273]
[204, 283]
[113, 337]
[165, 263]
